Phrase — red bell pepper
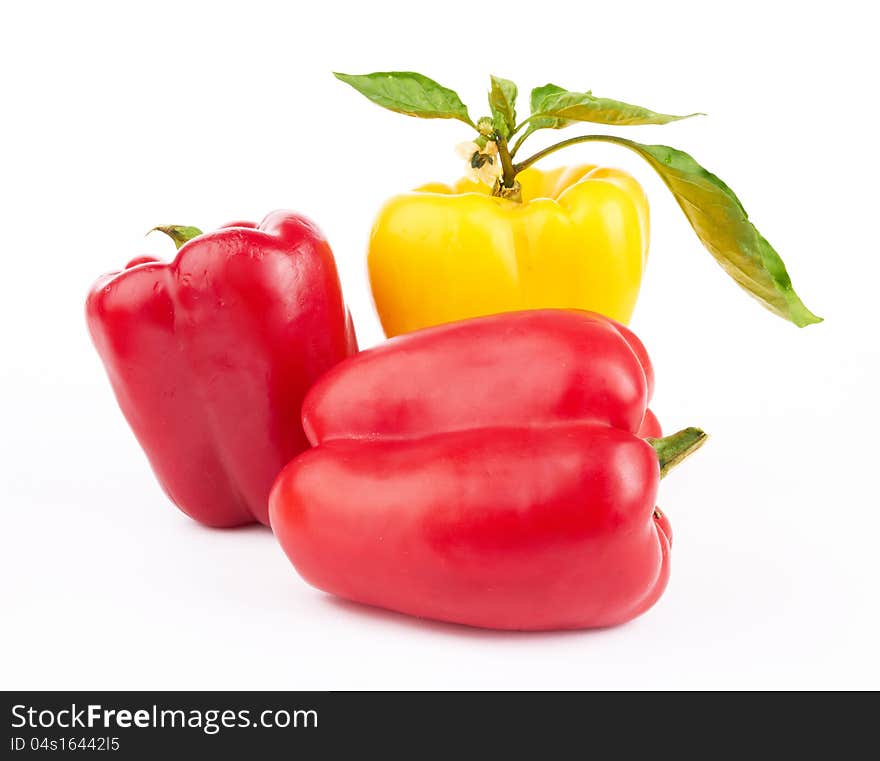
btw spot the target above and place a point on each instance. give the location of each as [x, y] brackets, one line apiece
[487, 472]
[210, 356]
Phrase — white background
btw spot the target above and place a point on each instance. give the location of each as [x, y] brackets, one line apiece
[117, 119]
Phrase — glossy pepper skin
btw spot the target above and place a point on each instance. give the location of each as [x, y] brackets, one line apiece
[210, 357]
[578, 240]
[498, 480]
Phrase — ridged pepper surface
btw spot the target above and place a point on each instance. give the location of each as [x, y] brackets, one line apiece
[210, 357]
[488, 472]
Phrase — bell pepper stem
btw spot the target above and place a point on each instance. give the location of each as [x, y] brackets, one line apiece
[513, 193]
[180, 234]
[506, 186]
[526, 163]
[673, 449]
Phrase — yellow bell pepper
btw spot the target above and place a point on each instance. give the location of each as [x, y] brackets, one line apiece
[579, 239]
[514, 237]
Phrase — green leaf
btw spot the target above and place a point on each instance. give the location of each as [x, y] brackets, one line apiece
[502, 102]
[539, 95]
[180, 234]
[565, 107]
[721, 223]
[407, 92]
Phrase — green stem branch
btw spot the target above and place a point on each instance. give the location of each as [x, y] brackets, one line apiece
[519, 142]
[526, 163]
